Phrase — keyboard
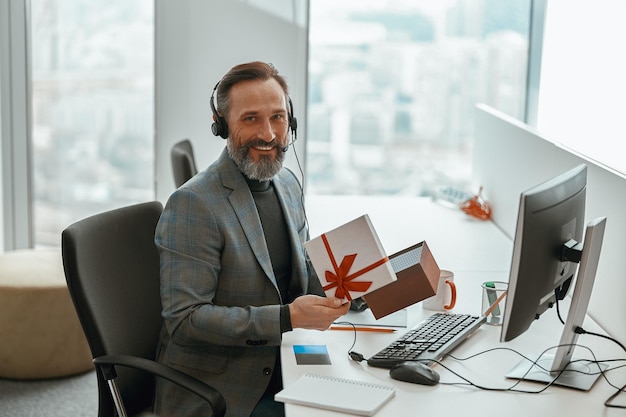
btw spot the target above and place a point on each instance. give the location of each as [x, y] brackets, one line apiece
[431, 339]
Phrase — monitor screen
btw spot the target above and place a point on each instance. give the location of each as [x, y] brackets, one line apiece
[549, 215]
[547, 250]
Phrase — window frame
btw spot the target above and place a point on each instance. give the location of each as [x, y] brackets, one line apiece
[17, 219]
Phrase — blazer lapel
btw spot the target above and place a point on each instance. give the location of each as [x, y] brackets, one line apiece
[245, 209]
[290, 203]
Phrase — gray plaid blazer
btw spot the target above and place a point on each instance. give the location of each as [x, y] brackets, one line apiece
[221, 304]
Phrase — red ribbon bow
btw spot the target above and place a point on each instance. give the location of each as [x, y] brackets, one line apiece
[340, 277]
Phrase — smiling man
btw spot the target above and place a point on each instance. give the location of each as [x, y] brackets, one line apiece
[234, 275]
[259, 125]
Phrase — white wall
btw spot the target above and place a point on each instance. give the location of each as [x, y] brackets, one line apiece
[198, 41]
[510, 157]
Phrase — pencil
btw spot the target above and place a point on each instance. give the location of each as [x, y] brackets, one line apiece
[495, 304]
[364, 329]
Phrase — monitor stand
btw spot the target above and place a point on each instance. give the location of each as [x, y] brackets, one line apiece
[560, 368]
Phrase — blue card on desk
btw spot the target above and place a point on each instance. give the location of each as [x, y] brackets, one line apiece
[311, 355]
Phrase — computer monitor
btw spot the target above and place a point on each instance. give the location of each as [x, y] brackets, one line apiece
[547, 249]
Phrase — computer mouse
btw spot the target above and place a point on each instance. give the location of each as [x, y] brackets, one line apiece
[414, 372]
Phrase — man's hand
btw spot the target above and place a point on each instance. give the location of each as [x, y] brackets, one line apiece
[314, 312]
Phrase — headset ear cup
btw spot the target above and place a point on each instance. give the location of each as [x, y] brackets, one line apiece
[219, 127]
[223, 127]
[215, 128]
[293, 122]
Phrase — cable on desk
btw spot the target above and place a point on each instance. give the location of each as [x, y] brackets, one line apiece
[608, 402]
[512, 388]
[355, 356]
[580, 330]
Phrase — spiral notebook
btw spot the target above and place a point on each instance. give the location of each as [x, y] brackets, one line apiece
[338, 394]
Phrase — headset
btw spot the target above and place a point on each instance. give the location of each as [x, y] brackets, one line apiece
[220, 127]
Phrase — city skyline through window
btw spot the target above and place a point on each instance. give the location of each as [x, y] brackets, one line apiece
[92, 109]
[393, 85]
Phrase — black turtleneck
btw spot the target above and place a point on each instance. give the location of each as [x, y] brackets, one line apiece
[279, 247]
[278, 243]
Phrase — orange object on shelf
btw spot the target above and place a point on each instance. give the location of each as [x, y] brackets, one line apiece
[477, 207]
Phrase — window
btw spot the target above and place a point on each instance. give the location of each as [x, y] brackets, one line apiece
[581, 102]
[392, 89]
[92, 109]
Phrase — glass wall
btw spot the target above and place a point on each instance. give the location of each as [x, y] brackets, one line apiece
[581, 101]
[393, 84]
[92, 109]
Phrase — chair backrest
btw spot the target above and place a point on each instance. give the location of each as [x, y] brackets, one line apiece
[112, 270]
[183, 162]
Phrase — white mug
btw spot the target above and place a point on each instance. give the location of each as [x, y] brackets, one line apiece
[445, 298]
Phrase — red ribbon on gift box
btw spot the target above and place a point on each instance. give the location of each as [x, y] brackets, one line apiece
[340, 278]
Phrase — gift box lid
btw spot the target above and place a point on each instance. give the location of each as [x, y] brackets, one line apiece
[349, 260]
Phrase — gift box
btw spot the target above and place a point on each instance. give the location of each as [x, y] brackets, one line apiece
[417, 275]
[350, 260]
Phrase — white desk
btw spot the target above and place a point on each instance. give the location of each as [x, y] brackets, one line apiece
[457, 241]
[476, 251]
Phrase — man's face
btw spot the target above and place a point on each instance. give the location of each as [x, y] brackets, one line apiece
[258, 127]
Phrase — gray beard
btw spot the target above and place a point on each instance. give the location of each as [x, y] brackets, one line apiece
[262, 170]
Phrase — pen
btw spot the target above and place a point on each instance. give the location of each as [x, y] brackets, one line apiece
[364, 329]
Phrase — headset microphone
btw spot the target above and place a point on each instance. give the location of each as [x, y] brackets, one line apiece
[286, 147]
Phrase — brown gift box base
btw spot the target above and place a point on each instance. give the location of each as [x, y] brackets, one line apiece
[417, 279]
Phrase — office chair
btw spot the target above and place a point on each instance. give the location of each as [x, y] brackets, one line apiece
[183, 162]
[112, 268]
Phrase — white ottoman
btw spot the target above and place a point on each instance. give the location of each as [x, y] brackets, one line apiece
[40, 335]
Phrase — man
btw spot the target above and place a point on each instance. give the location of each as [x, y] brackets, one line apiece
[234, 274]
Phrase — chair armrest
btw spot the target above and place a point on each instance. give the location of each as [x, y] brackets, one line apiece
[107, 362]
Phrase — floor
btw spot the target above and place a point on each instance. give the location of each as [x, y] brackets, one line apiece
[64, 397]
